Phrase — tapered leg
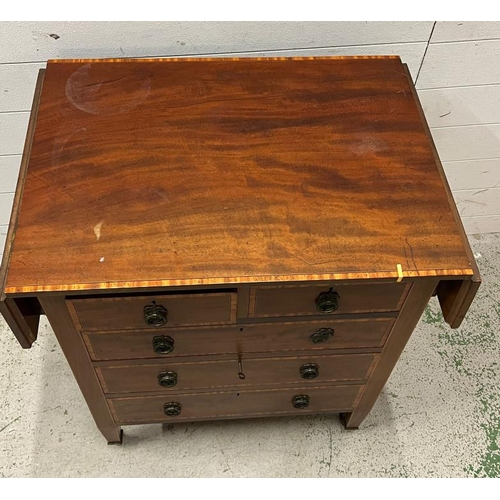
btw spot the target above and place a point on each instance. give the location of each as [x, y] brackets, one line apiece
[413, 307]
[79, 361]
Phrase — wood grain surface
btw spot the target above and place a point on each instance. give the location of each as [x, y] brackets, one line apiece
[243, 339]
[127, 313]
[233, 404]
[272, 301]
[272, 371]
[157, 173]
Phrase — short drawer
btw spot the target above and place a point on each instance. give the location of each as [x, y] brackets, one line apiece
[171, 376]
[234, 404]
[263, 337]
[268, 301]
[153, 312]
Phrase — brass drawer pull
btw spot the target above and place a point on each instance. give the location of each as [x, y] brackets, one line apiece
[327, 302]
[163, 344]
[309, 371]
[167, 379]
[300, 402]
[155, 315]
[321, 335]
[172, 409]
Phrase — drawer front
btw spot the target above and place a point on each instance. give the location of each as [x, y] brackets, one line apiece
[233, 404]
[175, 377]
[264, 337]
[133, 313]
[324, 300]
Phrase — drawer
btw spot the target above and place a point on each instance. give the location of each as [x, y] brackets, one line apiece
[263, 337]
[234, 404]
[268, 301]
[153, 312]
[169, 376]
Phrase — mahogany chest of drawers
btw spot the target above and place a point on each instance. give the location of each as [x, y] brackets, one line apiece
[229, 238]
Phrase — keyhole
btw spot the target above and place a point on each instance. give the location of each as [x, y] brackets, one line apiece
[241, 375]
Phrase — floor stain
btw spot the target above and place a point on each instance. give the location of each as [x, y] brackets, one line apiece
[471, 351]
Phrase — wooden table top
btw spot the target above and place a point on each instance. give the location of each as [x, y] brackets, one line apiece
[211, 171]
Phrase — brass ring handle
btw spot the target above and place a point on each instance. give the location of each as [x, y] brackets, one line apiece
[321, 335]
[327, 302]
[162, 344]
[172, 409]
[309, 371]
[300, 402]
[155, 315]
[167, 379]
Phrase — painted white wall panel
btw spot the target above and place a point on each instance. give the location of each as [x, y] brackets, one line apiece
[3, 235]
[460, 64]
[473, 174]
[17, 85]
[486, 224]
[9, 170]
[461, 105]
[467, 143]
[13, 128]
[32, 41]
[6, 200]
[476, 202]
[453, 31]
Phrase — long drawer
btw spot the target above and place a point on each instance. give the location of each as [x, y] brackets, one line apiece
[234, 404]
[269, 301]
[263, 337]
[153, 311]
[171, 377]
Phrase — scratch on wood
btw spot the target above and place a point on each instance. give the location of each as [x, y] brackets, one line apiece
[160, 194]
[97, 230]
[303, 260]
[104, 82]
[406, 256]
[411, 253]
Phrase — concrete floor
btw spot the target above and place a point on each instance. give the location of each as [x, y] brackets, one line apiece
[438, 416]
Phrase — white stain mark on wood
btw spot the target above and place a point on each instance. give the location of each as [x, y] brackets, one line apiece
[97, 230]
[101, 259]
[89, 89]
